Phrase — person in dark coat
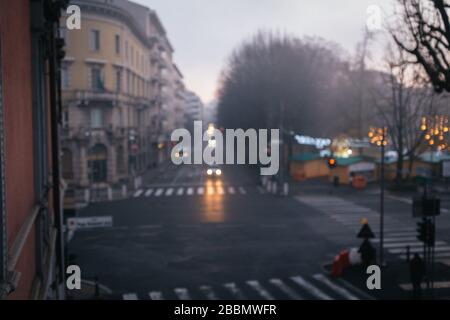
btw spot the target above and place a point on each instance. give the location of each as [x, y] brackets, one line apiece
[417, 272]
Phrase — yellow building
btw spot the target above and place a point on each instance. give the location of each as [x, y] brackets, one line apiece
[113, 94]
[308, 166]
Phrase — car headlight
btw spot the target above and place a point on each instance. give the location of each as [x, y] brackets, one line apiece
[218, 172]
[209, 172]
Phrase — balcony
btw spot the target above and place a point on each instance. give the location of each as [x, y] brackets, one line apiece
[87, 97]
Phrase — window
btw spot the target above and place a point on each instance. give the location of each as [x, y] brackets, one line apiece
[117, 44]
[64, 35]
[65, 78]
[118, 81]
[97, 79]
[65, 118]
[67, 164]
[126, 50]
[95, 40]
[96, 118]
[132, 55]
[97, 163]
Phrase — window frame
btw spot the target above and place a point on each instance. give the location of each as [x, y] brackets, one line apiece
[117, 44]
[65, 77]
[92, 119]
[94, 40]
[100, 70]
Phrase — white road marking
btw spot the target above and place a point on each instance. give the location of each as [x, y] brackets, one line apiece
[210, 190]
[285, 289]
[220, 190]
[231, 190]
[200, 190]
[169, 192]
[235, 291]
[148, 192]
[182, 293]
[439, 256]
[418, 250]
[208, 292]
[130, 296]
[436, 285]
[242, 190]
[260, 289]
[310, 288]
[343, 292]
[180, 191]
[410, 244]
[156, 295]
[406, 238]
[159, 192]
[190, 191]
[138, 193]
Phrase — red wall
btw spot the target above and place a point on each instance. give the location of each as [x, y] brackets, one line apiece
[17, 98]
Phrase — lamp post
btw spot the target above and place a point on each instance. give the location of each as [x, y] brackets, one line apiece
[378, 137]
[435, 128]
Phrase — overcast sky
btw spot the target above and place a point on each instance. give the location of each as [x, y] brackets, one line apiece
[204, 32]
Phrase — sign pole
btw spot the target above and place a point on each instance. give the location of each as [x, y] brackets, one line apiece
[382, 200]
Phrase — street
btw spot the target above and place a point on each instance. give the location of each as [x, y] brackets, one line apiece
[186, 236]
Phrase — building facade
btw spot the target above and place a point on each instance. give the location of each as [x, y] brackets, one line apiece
[31, 239]
[194, 106]
[119, 89]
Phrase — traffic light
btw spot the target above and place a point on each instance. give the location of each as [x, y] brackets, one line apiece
[430, 234]
[422, 231]
[331, 162]
[426, 232]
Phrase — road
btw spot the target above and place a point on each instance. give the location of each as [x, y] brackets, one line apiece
[184, 236]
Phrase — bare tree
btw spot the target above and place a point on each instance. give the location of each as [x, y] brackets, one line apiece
[271, 73]
[423, 31]
[400, 105]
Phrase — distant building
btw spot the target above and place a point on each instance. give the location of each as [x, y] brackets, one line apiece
[31, 237]
[121, 96]
[194, 106]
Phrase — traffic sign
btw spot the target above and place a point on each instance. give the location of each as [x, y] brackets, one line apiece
[89, 222]
[426, 207]
[365, 232]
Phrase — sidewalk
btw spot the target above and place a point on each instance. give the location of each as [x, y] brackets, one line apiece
[89, 291]
[395, 282]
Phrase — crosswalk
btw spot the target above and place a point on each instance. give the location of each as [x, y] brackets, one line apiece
[398, 235]
[312, 287]
[190, 191]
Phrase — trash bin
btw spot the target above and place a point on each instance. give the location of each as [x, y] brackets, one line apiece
[359, 182]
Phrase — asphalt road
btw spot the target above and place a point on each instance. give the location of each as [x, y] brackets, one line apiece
[186, 236]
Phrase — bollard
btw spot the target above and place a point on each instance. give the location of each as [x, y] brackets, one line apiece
[124, 191]
[286, 189]
[86, 195]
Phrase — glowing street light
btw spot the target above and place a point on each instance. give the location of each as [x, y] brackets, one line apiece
[435, 129]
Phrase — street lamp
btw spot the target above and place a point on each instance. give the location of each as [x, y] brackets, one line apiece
[378, 137]
[435, 128]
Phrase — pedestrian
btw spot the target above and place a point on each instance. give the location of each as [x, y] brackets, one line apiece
[417, 273]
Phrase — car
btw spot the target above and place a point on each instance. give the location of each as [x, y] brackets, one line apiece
[213, 171]
[183, 153]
